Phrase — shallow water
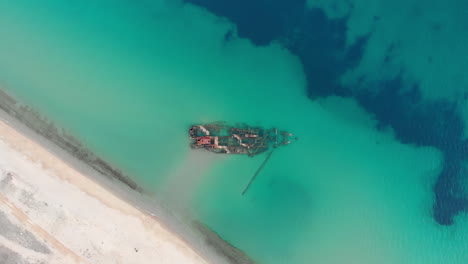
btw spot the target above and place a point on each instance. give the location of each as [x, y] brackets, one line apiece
[129, 77]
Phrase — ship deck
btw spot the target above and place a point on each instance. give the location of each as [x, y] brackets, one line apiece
[241, 139]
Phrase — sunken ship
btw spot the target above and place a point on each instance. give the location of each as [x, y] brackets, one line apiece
[239, 139]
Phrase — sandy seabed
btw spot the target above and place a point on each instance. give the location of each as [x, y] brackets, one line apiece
[52, 213]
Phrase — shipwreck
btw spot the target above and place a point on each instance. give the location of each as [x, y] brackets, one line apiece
[239, 139]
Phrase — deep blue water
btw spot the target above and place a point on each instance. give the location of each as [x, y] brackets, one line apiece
[320, 44]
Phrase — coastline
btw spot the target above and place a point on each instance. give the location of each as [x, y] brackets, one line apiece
[231, 253]
[60, 215]
[67, 151]
[64, 141]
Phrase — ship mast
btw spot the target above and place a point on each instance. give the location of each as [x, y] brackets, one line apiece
[257, 172]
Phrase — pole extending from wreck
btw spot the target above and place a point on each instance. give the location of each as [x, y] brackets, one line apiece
[257, 172]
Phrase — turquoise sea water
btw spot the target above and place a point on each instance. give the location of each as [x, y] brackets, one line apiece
[129, 77]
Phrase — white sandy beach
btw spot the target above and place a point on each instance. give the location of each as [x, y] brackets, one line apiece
[52, 213]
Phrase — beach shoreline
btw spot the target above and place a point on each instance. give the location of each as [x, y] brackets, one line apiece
[91, 173]
[24, 152]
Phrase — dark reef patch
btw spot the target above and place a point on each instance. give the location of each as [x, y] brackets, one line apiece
[319, 42]
[424, 123]
[261, 21]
